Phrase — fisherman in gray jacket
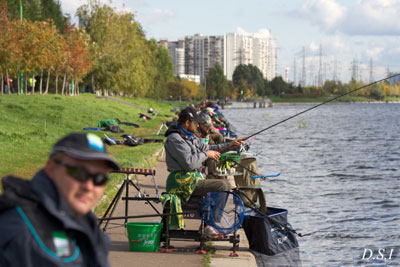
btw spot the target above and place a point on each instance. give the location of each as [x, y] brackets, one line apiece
[48, 221]
[185, 154]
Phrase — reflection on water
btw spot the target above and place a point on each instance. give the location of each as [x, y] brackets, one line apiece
[340, 173]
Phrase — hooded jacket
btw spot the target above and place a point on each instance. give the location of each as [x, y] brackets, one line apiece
[37, 227]
[185, 152]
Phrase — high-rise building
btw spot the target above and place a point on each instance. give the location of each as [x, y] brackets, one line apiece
[238, 50]
[251, 49]
[177, 51]
[202, 53]
[196, 54]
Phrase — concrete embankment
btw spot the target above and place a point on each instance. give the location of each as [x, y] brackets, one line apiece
[183, 253]
[248, 104]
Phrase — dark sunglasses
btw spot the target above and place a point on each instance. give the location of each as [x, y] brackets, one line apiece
[82, 175]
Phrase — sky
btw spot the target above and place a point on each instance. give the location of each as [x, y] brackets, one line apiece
[335, 35]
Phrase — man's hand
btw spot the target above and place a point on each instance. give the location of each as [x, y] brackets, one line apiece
[211, 154]
[237, 142]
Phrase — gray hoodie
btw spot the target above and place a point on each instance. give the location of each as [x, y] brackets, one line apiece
[184, 153]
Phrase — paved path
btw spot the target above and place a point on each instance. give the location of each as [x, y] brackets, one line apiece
[184, 252]
[121, 102]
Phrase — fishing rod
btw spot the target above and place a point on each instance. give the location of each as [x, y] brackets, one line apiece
[323, 103]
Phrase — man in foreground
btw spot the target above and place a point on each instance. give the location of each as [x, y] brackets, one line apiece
[48, 221]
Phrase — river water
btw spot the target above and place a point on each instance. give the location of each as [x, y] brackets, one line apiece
[340, 177]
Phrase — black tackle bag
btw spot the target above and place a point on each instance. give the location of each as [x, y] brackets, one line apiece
[130, 140]
[270, 234]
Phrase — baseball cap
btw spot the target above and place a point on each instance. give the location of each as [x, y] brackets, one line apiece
[188, 113]
[205, 120]
[84, 147]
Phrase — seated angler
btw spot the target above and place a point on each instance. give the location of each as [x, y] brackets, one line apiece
[205, 132]
[185, 154]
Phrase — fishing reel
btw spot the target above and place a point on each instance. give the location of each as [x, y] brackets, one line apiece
[244, 147]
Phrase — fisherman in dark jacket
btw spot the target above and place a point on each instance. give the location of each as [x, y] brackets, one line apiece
[48, 221]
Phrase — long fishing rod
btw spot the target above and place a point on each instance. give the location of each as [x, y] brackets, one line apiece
[320, 104]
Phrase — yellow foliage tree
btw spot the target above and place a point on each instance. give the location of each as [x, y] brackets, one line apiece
[249, 93]
[235, 93]
[386, 89]
[191, 89]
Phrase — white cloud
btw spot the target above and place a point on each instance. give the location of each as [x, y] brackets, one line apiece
[158, 16]
[365, 17]
[261, 33]
[327, 14]
[374, 52]
[313, 47]
[241, 31]
[70, 6]
[335, 45]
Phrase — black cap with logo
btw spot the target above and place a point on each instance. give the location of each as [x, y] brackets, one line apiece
[188, 113]
[84, 147]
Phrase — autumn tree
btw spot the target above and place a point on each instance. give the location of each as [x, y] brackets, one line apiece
[39, 10]
[4, 40]
[16, 42]
[164, 69]
[124, 62]
[79, 60]
[190, 89]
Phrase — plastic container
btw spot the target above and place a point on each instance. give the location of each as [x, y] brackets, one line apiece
[229, 156]
[144, 236]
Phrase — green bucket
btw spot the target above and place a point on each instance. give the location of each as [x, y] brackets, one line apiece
[144, 236]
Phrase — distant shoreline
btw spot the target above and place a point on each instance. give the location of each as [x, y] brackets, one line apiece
[250, 105]
[333, 103]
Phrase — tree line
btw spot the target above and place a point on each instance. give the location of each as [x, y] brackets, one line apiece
[37, 49]
[108, 51]
[248, 82]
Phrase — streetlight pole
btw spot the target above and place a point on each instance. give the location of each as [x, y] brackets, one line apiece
[21, 74]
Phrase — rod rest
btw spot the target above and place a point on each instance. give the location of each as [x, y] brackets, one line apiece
[144, 172]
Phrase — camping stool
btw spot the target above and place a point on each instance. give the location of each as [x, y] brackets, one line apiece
[192, 210]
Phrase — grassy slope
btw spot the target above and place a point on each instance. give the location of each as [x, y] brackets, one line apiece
[30, 125]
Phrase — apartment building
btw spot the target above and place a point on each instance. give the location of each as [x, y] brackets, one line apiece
[196, 54]
[202, 53]
[251, 49]
[177, 51]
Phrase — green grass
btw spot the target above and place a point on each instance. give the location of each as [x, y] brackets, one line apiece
[392, 98]
[210, 249]
[30, 125]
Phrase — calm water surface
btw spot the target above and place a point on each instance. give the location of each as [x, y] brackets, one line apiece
[340, 177]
